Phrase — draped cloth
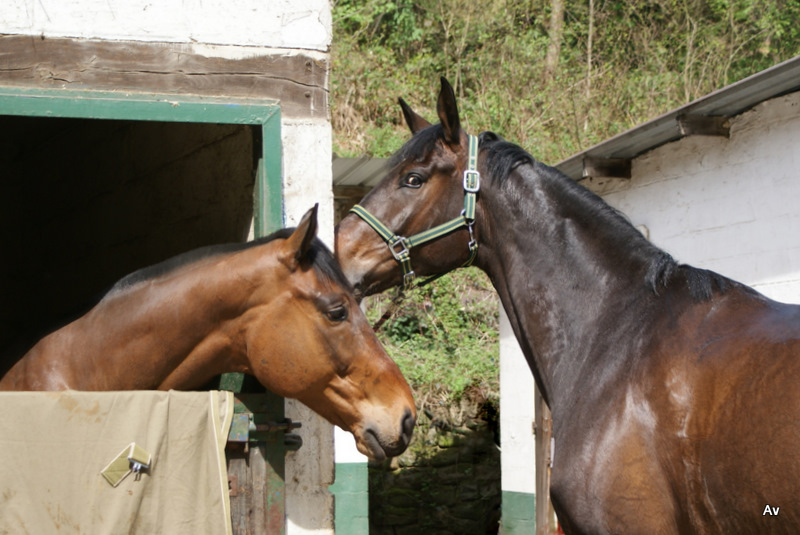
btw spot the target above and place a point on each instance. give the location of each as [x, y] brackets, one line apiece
[54, 445]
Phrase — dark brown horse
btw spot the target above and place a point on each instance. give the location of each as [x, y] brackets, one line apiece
[278, 308]
[675, 392]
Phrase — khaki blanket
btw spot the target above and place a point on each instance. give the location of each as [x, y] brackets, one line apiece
[53, 447]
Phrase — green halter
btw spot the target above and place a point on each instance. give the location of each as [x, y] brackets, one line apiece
[400, 246]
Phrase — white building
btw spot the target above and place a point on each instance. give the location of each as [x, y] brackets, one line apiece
[185, 111]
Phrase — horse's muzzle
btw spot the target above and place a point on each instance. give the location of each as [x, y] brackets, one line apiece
[406, 431]
[381, 449]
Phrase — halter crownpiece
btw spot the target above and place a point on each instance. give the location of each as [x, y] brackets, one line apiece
[400, 246]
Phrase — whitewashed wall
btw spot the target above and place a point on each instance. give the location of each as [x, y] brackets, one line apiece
[730, 205]
[516, 419]
[307, 178]
[274, 23]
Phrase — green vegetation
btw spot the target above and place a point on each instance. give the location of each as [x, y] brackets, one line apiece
[444, 337]
[555, 76]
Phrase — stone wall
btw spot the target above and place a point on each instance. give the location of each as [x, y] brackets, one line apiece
[447, 482]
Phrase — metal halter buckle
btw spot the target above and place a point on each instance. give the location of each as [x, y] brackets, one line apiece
[472, 181]
[401, 254]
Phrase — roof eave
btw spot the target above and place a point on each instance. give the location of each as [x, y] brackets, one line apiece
[726, 102]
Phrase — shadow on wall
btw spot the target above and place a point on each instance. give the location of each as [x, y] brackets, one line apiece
[447, 482]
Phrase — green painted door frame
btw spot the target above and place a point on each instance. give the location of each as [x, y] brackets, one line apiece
[268, 199]
[85, 104]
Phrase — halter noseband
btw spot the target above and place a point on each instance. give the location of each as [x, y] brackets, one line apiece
[400, 246]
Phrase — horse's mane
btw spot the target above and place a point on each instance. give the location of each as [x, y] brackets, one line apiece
[502, 158]
[320, 256]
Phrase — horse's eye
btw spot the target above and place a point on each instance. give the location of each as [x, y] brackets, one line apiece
[337, 313]
[412, 180]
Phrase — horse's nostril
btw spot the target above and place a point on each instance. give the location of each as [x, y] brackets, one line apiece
[408, 424]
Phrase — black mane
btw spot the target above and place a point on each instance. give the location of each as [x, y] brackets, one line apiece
[320, 256]
[503, 157]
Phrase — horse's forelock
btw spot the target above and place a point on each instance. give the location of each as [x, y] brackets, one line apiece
[325, 264]
[418, 147]
[320, 257]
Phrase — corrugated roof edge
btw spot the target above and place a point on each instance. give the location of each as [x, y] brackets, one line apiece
[728, 101]
[365, 171]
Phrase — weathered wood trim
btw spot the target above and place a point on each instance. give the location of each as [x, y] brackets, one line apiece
[297, 80]
[704, 125]
[606, 167]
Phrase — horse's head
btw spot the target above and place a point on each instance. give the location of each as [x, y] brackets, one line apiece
[424, 187]
[312, 342]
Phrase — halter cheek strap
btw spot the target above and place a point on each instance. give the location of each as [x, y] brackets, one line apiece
[400, 246]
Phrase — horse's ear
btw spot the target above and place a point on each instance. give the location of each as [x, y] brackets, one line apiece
[298, 243]
[414, 121]
[448, 113]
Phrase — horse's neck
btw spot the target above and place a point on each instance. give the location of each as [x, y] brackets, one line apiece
[561, 282]
[166, 333]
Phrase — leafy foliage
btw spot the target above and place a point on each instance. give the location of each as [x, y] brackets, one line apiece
[619, 64]
[444, 336]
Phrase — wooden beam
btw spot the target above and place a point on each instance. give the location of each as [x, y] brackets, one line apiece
[704, 125]
[594, 167]
[298, 81]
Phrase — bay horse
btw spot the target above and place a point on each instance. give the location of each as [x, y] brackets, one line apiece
[278, 308]
[674, 391]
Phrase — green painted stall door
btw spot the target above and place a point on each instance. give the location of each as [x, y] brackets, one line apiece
[255, 453]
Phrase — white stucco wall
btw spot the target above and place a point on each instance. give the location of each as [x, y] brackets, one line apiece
[729, 205]
[307, 172]
[276, 23]
[307, 178]
[517, 417]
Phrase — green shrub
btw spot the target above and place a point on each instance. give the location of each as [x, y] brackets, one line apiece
[444, 336]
